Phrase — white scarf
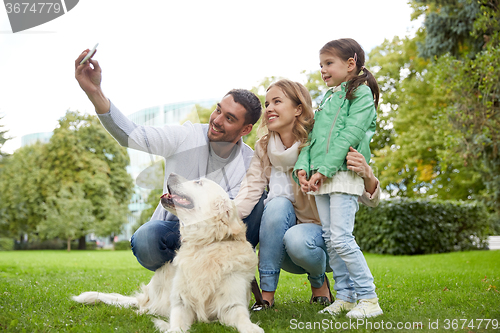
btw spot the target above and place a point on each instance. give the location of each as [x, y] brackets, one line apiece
[281, 158]
[282, 162]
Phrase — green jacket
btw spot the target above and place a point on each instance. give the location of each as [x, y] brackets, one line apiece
[339, 124]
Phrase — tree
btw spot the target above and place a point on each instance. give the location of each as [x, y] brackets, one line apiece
[468, 74]
[316, 86]
[82, 168]
[448, 25]
[152, 201]
[68, 215]
[410, 146]
[82, 155]
[473, 85]
[22, 192]
[3, 139]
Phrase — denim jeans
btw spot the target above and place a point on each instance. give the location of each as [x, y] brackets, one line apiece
[353, 279]
[295, 248]
[155, 242]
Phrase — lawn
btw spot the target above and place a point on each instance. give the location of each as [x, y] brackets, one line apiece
[453, 292]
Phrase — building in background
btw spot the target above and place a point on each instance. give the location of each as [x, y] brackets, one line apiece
[166, 114]
[29, 139]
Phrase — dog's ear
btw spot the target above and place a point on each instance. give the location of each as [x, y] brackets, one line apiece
[228, 214]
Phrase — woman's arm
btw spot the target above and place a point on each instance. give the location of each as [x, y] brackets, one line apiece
[357, 163]
[252, 186]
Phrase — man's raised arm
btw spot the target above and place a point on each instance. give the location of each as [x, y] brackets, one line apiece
[89, 77]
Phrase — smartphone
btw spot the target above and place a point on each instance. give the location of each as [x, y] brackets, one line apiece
[90, 54]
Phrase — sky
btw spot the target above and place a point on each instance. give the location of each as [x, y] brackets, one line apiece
[156, 52]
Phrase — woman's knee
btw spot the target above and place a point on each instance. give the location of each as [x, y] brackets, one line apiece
[303, 241]
[278, 212]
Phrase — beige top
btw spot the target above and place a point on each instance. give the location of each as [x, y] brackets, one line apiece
[257, 179]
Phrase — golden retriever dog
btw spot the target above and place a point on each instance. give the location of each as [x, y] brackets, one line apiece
[209, 278]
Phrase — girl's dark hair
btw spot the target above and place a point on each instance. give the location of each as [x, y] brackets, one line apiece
[346, 48]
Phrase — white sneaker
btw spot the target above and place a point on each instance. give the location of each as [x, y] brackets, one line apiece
[366, 308]
[336, 307]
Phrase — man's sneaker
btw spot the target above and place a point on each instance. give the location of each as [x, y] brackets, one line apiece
[366, 308]
[336, 307]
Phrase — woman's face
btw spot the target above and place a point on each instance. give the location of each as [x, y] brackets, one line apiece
[281, 111]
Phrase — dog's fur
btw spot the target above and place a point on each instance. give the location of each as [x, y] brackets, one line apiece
[210, 276]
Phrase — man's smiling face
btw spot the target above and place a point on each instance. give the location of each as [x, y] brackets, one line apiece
[227, 122]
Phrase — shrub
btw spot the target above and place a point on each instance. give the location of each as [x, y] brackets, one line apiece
[6, 244]
[404, 226]
[122, 245]
[50, 244]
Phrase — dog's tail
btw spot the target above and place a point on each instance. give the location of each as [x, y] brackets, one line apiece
[93, 297]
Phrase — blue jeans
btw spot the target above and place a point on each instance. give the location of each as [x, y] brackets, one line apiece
[156, 242]
[353, 279]
[295, 248]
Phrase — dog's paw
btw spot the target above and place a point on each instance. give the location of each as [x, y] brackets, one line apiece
[176, 330]
[250, 328]
[161, 325]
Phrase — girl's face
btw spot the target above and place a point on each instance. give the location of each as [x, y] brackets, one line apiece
[280, 112]
[334, 70]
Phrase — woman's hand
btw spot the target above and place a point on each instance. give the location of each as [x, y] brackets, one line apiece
[356, 162]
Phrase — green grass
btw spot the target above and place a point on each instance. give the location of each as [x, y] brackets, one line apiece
[35, 290]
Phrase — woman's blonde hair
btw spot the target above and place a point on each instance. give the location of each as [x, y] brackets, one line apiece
[299, 95]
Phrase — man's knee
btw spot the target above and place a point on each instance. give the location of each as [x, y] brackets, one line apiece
[155, 243]
[253, 221]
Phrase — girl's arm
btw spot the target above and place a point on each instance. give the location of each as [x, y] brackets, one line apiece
[252, 186]
[361, 117]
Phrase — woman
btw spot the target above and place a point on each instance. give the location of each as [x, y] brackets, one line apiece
[290, 233]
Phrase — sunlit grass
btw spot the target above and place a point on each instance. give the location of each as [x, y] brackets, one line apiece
[35, 290]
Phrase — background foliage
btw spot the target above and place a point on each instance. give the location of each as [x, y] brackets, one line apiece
[422, 226]
[439, 117]
[72, 186]
[437, 132]
[3, 139]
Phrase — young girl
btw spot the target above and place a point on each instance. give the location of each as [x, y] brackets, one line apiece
[286, 123]
[346, 118]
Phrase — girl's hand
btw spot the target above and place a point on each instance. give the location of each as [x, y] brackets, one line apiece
[304, 184]
[316, 181]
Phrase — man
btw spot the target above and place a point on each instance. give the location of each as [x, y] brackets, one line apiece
[215, 151]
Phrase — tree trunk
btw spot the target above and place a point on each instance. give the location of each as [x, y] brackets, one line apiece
[81, 243]
[69, 244]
